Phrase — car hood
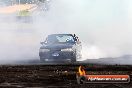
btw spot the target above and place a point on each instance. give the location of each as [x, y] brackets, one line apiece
[56, 46]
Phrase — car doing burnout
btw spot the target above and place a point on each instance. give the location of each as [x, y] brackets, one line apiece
[60, 47]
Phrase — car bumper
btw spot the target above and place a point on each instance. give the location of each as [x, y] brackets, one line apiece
[57, 56]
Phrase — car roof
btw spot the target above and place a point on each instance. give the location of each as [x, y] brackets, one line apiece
[60, 34]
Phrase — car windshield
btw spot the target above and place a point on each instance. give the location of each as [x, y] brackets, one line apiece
[60, 39]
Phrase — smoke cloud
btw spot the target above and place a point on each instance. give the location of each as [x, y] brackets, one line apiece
[103, 26]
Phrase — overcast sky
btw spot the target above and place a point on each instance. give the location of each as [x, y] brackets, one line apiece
[102, 24]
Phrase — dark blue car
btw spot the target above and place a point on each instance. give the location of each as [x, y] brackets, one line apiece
[60, 47]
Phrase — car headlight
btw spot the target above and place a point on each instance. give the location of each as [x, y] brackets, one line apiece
[67, 49]
[44, 50]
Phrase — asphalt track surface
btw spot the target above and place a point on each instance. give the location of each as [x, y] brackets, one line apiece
[56, 75]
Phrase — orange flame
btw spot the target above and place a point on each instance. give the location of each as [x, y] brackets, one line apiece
[81, 71]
